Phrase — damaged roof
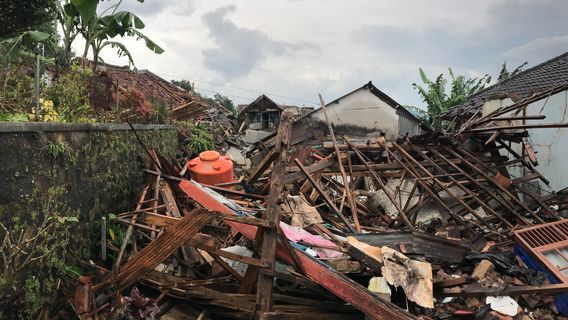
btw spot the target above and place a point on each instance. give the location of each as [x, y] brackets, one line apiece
[152, 85]
[540, 78]
[262, 103]
[184, 104]
[382, 96]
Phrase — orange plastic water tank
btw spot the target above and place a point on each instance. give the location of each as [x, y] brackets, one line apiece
[211, 168]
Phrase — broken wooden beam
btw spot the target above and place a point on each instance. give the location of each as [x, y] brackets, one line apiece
[269, 237]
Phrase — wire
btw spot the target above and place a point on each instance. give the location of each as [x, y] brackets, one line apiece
[227, 94]
[240, 88]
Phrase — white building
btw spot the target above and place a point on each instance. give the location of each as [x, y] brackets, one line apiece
[367, 113]
[550, 144]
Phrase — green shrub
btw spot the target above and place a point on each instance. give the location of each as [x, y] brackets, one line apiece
[201, 138]
[16, 90]
[70, 94]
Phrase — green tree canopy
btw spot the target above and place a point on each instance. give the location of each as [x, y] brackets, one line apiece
[504, 74]
[225, 102]
[184, 84]
[18, 16]
[436, 96]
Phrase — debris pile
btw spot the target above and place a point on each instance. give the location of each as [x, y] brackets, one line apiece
[432, 226]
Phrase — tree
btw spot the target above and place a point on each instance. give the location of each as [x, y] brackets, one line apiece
[218, 98]
[184, 84]
[18, 16]
[225, 102]
[438, 100]
[80, 17]
[504, 74]
[99, 29]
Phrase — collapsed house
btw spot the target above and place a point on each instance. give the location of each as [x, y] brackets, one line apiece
[367, 113]
[182, 104]
[326, 226]
[540, 94]
[363, 114]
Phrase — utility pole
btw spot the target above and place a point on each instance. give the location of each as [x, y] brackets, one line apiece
[37, 84]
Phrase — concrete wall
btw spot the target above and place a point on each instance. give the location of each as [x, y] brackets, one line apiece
[551, 145]
[362, 114]
[80, 170]
[407, 124]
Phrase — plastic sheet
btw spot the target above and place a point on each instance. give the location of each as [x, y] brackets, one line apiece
[505, 264]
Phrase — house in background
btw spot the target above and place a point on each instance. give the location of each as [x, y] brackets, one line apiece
[261, 117]
[551, 145]
[261, 114]
[363, 114]
[367, 113]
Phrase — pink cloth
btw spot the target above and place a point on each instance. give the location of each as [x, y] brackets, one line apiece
[295, 234]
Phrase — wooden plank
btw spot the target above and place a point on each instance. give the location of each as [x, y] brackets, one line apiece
[262, 166]
[227, 267]
[341, 286]
[162, 247]
[316, 167]
[325, 196]
[270, 236]
[130, 229]
[169, 199]
[479, 291]
[518, 126]
[378, 179]
[350, 198]
[528, 177]
[450, 283]
[488, 191]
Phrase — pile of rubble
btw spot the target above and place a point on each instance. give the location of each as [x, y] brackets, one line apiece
[432, 226]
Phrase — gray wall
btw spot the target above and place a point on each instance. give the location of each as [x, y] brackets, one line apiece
[81, 170]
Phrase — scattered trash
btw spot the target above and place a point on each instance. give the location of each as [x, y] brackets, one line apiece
[504, 305]
[297, 234]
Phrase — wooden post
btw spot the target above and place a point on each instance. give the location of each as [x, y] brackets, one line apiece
[401, 212]
[352, 204]
[272, 214]
[324, 195]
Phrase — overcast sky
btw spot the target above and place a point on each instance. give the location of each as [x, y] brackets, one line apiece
[294, 49]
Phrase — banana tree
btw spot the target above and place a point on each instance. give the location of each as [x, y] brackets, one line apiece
[69, 20]
[99, 29]
[435, 96]
[27, 39]
[25, 45]
[121, 24]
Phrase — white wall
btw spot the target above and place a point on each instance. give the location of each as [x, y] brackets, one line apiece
[362, 109]
[551, 144]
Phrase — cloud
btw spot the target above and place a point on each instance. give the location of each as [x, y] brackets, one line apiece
[151, 8]
[239, 50]
[262, 45]
[471, 43]
[537, 50]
